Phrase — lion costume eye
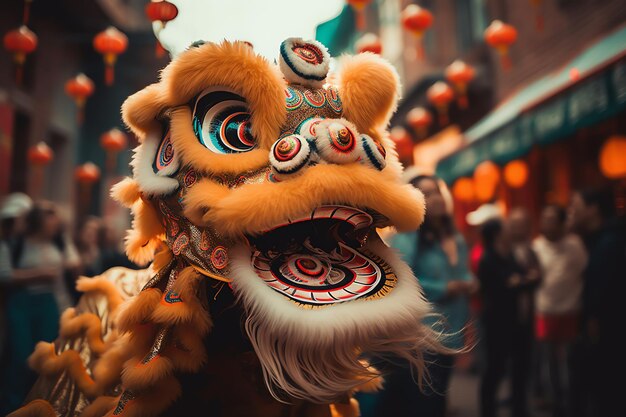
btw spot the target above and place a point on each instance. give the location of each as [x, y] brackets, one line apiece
[221, 122]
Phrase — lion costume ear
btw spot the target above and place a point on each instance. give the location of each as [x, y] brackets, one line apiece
[140, 111]
[369, 88]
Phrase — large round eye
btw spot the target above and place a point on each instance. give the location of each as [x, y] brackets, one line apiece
[221, 122]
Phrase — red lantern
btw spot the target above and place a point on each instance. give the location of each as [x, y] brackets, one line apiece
[441, 95]
[20, 42]
[613, 157]
[79, 88]
[161, 11]
[417, 20]
[501, 36]
[463, 189]
[110, 43]
[40, 154]
[87, 174]
[459, 74]
[359, 9]
[420, 120]
[486, 179]
[404, 145]
[113, 142]
[516, 173]
[368, 43]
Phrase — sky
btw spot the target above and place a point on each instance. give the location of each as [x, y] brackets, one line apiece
[264, 23]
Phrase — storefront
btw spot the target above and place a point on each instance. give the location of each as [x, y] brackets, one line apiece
[556, 127]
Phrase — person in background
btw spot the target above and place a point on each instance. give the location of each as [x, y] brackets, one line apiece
[562, 257]
[88, 245]
[438, 256]
[111, 248]
[598, 355]
[36, 295]
[502, 280]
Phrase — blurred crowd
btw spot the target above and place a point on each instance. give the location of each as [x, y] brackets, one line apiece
[541, 312]
[39, 263]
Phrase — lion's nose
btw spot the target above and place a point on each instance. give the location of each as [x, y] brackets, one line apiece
[331, 141]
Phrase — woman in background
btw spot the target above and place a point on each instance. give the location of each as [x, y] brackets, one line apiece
[36, 294]
[438, 256]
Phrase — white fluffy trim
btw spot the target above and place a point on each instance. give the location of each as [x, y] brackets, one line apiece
[314, 354]
[152, 183]
[304, 62]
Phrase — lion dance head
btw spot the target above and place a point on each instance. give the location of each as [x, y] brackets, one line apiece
[265, 183]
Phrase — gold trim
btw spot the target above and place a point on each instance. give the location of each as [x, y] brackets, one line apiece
[211, 275]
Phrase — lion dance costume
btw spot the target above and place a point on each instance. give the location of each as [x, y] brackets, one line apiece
[259, 187]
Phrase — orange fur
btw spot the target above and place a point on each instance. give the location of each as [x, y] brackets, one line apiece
[236, 66]
[152, 402]
[126, 192]
[253, 208]
[195, 202]
[138, 309]
[140, 110]
[345, 410]
[99, 407]
[137, 376]
[108, 368]
[146, 234]
[103, 286]
[369, 89]
[190, 310]
[35, 408]
[191, 354]
[45, 361]
[89, 324]
[192, 152]
[162, 258]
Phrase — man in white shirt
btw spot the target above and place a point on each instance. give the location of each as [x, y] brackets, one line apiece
[562, 257]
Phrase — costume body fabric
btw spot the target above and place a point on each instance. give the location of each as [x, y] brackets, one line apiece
[260, 188]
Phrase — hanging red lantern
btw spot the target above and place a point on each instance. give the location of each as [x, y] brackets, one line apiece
[420, 120]
[486, 180]
[459, 74]
[113, 142]
[359, 10]
[39, 156]
[161, 11]
[417, 20]
[501, 36]
[87, 173]
[79, 88]
[110, 43]
[613, 157]
[404, 144]
[516, 173]
[441, 95]
[463, 189]
[368, 43]
[20, 42]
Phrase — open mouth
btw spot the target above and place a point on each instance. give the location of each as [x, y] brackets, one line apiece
[324, 258]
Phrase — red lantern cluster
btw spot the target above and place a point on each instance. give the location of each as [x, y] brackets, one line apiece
[20, 42]
[368, 43]
[501, 36]
[110, 43]
[417, 20]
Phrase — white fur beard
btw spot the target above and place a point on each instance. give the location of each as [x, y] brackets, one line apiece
[315, 354]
